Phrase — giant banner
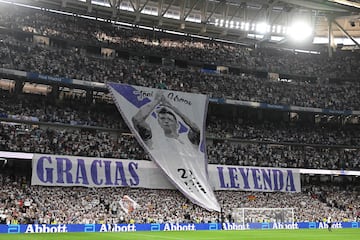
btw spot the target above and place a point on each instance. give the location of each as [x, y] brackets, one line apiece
[255, 178]
[170, 127]
[55, 170]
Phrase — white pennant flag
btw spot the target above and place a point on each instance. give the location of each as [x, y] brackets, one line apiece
[127, 204]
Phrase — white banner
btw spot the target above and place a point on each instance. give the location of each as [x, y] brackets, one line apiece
[170, 126]
[53, 170]
[224, 177]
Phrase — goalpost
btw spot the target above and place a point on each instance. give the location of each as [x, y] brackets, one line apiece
[259, 215]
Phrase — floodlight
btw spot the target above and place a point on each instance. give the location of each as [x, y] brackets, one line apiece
[227, 23]
[261, 27]
[253, 26]
[299, 31]
[247, 26]
[285, 30]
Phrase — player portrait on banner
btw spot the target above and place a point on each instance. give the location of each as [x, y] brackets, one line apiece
[170, 126]
[168, 117]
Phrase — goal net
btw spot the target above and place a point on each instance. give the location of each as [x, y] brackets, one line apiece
[259, 215]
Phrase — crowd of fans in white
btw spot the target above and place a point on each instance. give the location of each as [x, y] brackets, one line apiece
[73, 62]
[102, 144]
[100, 132]
[248, 145]
[74, 112]
[260, 145]
[229, 142]
[21, 203]
[96, 32]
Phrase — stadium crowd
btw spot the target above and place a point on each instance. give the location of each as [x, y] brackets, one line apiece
[75, 28]
[77, 112]
[77, 128]
[73, 61]
[23, 203]
[92, 143]
[73, 128]
[70, 111]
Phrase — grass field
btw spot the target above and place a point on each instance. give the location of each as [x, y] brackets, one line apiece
[306, 234]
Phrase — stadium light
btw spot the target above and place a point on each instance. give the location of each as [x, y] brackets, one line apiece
[284, 29]
[253, 27]
[262, 27]
[247, 26]
[299, 31]
[221, 22]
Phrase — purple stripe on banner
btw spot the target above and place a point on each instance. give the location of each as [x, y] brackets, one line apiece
[128, 92]
[202, 146]
[183, 128]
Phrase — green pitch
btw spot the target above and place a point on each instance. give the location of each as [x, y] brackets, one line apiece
[306, 234]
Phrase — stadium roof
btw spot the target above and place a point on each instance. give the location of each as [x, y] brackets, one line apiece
[243, 21]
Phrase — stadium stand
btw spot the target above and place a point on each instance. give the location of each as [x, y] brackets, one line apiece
[73, 125]
[38, 204]
[77, 61]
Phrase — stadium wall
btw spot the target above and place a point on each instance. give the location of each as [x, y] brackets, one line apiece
[54, 228]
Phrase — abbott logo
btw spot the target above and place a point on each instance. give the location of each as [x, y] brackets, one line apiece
[89, 228]
[213, 226]
[235, 226]
[13, 228]
[43, 228]
[155, 227]
[179, 227]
